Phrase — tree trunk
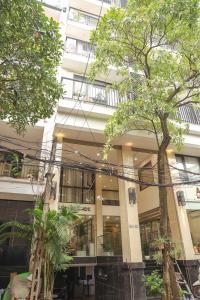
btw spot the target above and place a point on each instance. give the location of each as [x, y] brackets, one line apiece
[170, 285]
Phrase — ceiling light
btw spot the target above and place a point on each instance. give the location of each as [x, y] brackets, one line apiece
[59, 135]
[135, 158]
[76, 152]
[107, 217]
[98, 154]
[129, 144]
[169, 150]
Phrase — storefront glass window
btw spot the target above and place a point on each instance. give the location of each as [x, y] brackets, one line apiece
[149, 232]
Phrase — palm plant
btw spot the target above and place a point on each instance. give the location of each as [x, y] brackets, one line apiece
[57, 230]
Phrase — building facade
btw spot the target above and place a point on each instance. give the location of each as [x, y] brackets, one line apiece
[111, 247]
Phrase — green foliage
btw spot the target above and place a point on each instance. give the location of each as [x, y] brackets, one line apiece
[30, 52]
[16, 166]
[57, 228]
[154, 46]
[154, 284]
[106, 247]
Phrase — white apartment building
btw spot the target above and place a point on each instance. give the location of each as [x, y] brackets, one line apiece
[111, 248]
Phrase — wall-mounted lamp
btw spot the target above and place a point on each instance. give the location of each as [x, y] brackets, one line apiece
[181, 198]
[131, 195]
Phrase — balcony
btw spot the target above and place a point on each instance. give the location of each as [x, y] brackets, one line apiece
[99, 92]
[22, 171]
[82, 17]
[79, 47]
[21, 181]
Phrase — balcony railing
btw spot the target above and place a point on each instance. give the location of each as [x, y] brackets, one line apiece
[79, 47]
[23, 171]
[189, 114]
[87, 92]
[82, 17]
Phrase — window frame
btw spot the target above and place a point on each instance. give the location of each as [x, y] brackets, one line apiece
[82, 187]
[146, 165]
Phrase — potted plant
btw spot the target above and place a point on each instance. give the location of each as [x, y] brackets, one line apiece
[146, 249]
[107, 249]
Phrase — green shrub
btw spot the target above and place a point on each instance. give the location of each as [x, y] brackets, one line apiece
[154, 284]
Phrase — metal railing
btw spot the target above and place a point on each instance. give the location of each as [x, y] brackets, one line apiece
[82, 17]
[79, 47]
[189, 115]
[23, 171]
[88, 92]
[109, 244]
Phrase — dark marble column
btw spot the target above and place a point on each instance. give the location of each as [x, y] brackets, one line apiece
[118, 281]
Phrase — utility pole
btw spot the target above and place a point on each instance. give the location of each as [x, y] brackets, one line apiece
[37, 258]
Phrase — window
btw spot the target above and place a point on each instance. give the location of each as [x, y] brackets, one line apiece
[146, 175]
[77, 186]
[149, 232]
[110, 192]
[111, 241]
[187, 163]
[78, 47]
[82, 17]
[194, 223]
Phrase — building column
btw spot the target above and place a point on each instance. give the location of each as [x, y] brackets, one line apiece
[130, 229]
[179, 220]
[99, 215]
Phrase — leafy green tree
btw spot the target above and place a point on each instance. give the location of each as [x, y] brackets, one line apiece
[154, 46]
[57, 231]
[30, 52]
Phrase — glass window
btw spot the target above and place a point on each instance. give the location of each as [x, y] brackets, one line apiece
[194, 223]
[110, 192]
[146, 175]
[77, 186]
[111, 240]
[187, 163]
[149, 231]
[83, 240]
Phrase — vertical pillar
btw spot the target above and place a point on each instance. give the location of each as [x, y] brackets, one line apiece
[131, 243]
[179, 220]
[99, 215]
[57, 171]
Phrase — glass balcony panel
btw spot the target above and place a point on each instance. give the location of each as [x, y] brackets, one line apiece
[88, 92]
[79, 47]
[82, 17]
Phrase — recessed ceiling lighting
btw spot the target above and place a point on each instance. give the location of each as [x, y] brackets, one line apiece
[59, 135]
[135, 158]
[76, 152]
[107, 217]
[170, 150]
[100, 176]
[98, 154]
[129, 144]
